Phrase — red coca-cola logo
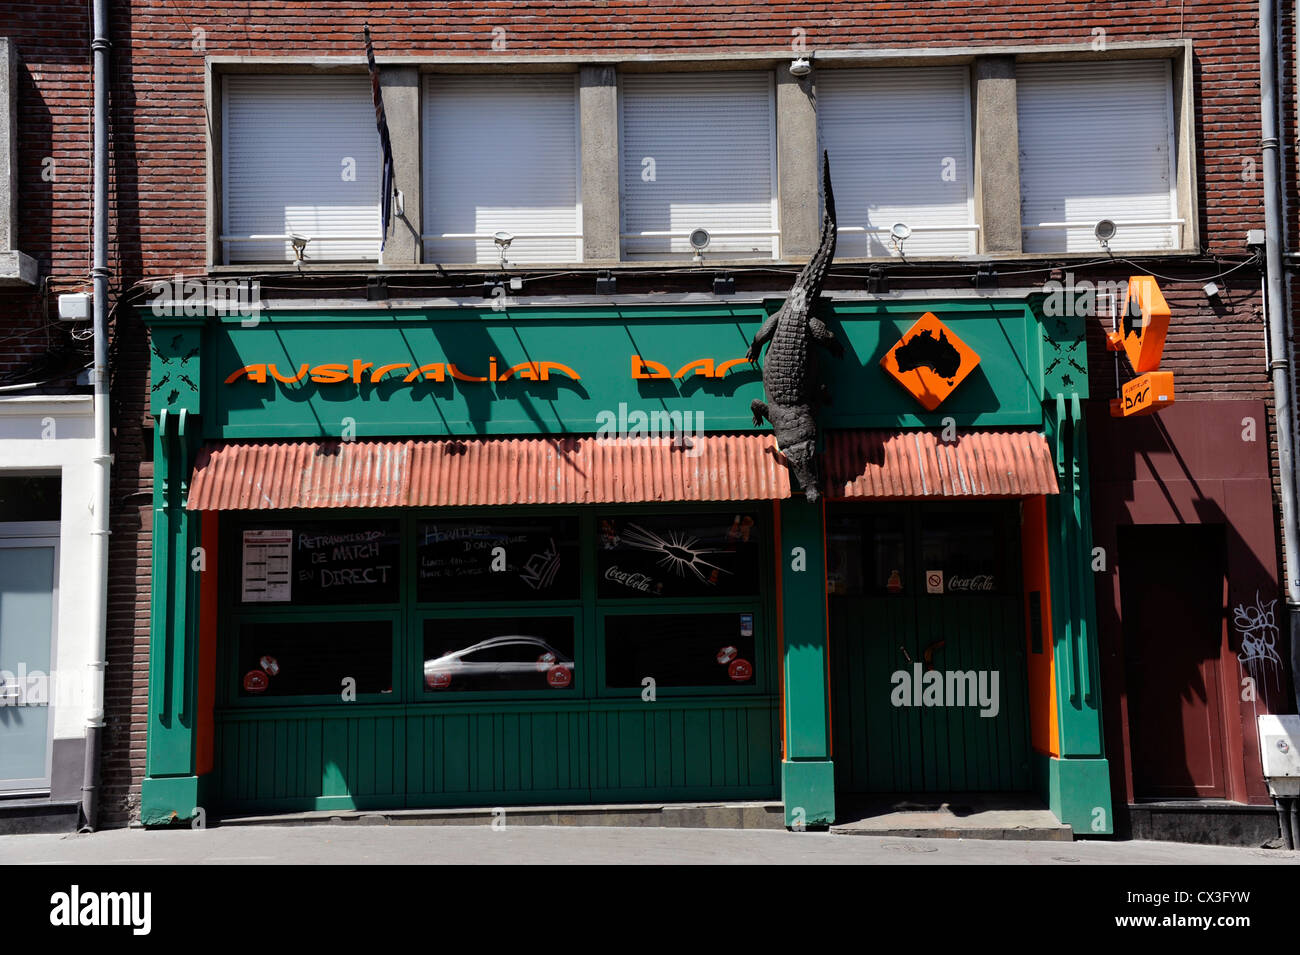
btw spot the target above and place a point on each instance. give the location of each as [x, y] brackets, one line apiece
[981, 582]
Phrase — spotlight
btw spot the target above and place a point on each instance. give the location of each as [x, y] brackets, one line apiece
[1105, 231]
[699, 242]
[800, 66]
[503, 240]
[299, 245]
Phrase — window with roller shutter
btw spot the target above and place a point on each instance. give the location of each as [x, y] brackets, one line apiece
[299, 156]
[698, 151]
[501, 154]
[1097, 142]
[900, 147]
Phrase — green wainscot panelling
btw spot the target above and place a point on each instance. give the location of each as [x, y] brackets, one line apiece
[574, 370]
[500, 754]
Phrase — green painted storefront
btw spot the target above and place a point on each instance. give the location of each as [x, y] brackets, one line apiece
[803, 727]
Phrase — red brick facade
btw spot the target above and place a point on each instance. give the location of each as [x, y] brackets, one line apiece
[158, 202]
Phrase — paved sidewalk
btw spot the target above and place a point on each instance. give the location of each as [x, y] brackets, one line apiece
[515, 845]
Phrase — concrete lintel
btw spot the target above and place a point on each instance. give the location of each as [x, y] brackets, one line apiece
[17, 268]
[997, 154]
[685, 59]
[400, 88]
[798, 164]
[598, 122]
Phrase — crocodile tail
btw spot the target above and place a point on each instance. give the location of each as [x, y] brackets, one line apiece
[811, 277]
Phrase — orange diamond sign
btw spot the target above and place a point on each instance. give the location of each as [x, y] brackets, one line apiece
[930, 361]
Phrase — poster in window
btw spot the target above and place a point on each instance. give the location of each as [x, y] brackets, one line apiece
[526, 558]
[679, 555]
[267, 566]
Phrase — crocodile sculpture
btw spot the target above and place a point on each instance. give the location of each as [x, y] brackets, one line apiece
[790, 372]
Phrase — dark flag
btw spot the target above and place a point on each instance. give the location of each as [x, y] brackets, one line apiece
[385, 144]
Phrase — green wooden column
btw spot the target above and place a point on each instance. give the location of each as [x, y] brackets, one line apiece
[170, 791]
[807, 775]
[1076, 784]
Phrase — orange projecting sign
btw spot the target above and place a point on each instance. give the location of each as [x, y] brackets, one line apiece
[1145, 322]
[930, 361]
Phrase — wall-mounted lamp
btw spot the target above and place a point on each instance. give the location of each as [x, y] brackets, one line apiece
[299, 245]
[699, 242]
[1105, 231]
[503, 240]
[800, 66]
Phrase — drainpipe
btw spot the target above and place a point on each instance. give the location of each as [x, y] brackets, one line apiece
[98, 578]
[1275, 308]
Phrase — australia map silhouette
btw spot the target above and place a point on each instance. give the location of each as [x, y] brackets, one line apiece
[924, 350]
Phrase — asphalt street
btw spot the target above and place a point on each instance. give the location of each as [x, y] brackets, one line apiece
[354, 844]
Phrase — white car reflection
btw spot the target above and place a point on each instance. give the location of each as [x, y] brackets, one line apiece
[503, 657]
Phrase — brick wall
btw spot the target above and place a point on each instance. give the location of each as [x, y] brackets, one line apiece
[158, 187]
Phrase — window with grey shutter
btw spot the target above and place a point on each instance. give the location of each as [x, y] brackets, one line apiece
[900, 148]
[501, 154]
[698, 152]
[1097, 142]
[300, 155]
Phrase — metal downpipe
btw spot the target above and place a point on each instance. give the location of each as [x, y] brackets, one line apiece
[99, 274]
[1275, 307]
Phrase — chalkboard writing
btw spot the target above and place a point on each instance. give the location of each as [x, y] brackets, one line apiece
[346, 562]
[497, 559]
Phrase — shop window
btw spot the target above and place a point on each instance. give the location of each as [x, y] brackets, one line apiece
[299, 156]
[1097, 141]
[501, 154]
[680, 650]
[965, 553]
[30, 498]
[698, 152]
[498, 653]
[865, 555]
[497, 559]
[321, 562]
[900, 146]
[317, 658]
[686, 555]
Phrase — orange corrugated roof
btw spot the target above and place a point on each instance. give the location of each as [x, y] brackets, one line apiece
[917, 464]
[490, 471]
[485, 471]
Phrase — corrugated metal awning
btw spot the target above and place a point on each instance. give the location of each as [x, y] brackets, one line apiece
[485, 472]
[917, 464]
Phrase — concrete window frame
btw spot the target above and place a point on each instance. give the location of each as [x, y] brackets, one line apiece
[993, 116]
[16, 268]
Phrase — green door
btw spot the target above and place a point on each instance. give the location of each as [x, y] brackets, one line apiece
[927, 648]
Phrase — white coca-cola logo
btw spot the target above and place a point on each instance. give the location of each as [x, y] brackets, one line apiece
[978, 582]
[628, 579]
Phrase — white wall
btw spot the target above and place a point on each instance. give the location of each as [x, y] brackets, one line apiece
[68, 422]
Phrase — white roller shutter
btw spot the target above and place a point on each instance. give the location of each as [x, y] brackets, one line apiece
[1096, 142]
[900, 147]
[300, 155]
[501, 154]
[698, 151]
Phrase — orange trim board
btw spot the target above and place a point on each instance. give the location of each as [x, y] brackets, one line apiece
[930, 361]
[1044, 733]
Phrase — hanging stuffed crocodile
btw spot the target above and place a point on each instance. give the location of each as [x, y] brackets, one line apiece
[790, 377]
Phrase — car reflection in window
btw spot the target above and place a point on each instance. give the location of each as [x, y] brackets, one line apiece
[501, 663]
